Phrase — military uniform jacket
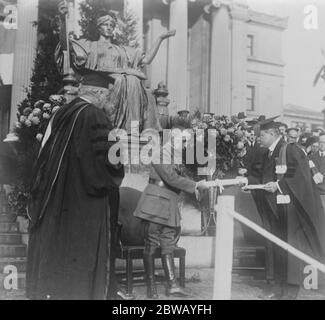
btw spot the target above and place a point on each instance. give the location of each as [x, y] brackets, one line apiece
[159, 201]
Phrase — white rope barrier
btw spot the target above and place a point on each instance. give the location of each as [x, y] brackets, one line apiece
[224, 246]
[284, 245]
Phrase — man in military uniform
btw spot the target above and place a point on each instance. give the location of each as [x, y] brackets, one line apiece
[158, 207]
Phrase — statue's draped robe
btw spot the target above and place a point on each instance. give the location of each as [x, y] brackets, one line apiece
[113, 74]
[74, 208]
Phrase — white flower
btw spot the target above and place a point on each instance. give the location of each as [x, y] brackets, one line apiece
[18, 125]
[240, 145]
[37, 111]
[38, 103]
[30, 117]
[47, 107]
[46, 115]
[28, 123]
[200, 136]
[22, 119]
[56, 98]
[35, 120]
[27, 111]
[55, 109]
[39, 137]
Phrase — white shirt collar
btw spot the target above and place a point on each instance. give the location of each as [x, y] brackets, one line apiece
[274, 144]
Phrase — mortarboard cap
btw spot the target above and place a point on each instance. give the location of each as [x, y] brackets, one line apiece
[241, 115]
[269, 123]
[251, 122]
[292, 128]
[311, 140]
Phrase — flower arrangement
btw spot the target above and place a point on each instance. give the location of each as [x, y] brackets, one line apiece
[29, 129]
[32, 120]
[231, 137]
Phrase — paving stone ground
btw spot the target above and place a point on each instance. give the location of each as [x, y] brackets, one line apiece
[199, 283]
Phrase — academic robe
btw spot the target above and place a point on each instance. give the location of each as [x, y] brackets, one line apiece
[74, 208]
[306, 219]
[254, 164]
[301, 222]
[8, 164]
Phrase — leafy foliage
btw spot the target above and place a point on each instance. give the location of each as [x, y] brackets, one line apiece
[230, 138]
[30, 127]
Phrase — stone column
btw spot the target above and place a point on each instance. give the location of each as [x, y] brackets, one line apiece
[77, 17]
[177, 56]
[220, 72]
[239, 14]
[24, 53]
[157, 70]
[135, 8]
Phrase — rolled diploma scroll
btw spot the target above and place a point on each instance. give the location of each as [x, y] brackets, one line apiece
[254, 187]
[226, 182]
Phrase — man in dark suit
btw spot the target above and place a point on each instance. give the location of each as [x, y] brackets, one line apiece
[253, 162]
[158, 207]
[293, 204]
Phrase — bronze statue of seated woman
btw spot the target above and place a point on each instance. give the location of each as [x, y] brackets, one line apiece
[112, 74]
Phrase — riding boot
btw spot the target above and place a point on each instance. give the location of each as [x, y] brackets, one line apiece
[149, 267]
[173, 288]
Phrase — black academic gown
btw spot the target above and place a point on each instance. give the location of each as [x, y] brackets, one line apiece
[300, 223]
[306, 219]
[8, 164]
[253, 161]
[74, 208]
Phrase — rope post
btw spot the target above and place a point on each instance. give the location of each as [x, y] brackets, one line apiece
[224, 249]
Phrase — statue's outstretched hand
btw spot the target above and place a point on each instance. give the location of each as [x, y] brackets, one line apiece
[168, 34]
[63, 8]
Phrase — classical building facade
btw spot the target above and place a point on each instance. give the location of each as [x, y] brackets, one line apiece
[297, 116]
[225, 57]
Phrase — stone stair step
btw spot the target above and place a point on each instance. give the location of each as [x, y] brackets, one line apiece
[19, 263]
[10, 238]
[249, 257]
[8, 227]
[246, 249]
[21, 282]
[11, 250]
[8, 217]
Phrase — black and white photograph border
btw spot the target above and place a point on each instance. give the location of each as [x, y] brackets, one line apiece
[191, 160]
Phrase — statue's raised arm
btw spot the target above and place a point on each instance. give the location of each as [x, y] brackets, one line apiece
[154, 50]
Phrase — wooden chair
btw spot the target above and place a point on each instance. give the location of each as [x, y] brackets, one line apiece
[131, 241]
[130, 253]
